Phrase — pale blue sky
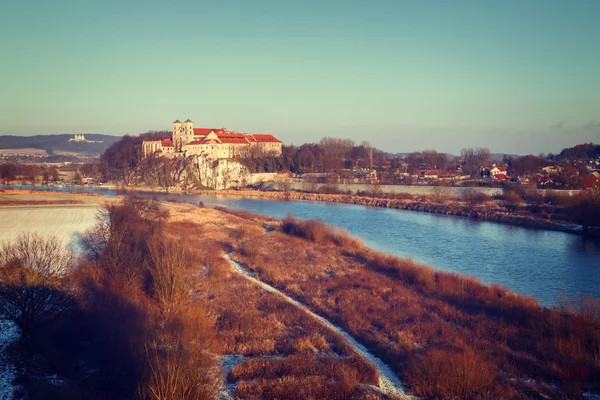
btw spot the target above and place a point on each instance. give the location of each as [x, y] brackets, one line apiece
[516, 76]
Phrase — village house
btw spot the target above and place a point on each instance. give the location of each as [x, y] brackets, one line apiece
[214, 143]
[437, 174]
[552, 169]
[496, 170]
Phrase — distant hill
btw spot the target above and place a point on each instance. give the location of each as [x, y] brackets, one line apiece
[403, 155]
[59, 142]
[582, 151]
[499, 156]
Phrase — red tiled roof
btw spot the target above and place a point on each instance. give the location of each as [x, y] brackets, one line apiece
[225, 134]
[203, 131]
[500, 177]
[262, 137]
[167, 143]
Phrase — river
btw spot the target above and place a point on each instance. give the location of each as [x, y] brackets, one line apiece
[532, 262]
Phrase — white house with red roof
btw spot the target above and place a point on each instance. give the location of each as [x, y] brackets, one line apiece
[214, 143]
[496, 170]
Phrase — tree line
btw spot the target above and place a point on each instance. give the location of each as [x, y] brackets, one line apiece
[31, 172]
[123, 161]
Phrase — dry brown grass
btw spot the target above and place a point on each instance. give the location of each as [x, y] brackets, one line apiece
[453, 374]
[316, 231]
[286, 353]
[419, 320]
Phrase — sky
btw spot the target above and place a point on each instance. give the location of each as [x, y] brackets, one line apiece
[517, 76]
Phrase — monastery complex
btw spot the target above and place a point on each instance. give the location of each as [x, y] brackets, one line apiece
[214, 143]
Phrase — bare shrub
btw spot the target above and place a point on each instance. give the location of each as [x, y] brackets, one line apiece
[250, 250]
[585, 209]
[246, 233]
[119, 241]
[168, 268]
[473, 198]
[450, 374]
[32, 292]
[440, 192]
[44, 256]
[179, 361]
[212, 258]
[316, 231]
[512, 199]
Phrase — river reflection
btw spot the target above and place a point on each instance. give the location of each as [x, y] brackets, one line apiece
[529, 261]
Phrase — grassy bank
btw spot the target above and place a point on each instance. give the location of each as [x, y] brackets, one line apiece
[492, 210]
[445, 335]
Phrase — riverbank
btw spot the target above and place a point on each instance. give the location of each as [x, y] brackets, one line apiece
[492, 211]
[430, 327]
[495, 253]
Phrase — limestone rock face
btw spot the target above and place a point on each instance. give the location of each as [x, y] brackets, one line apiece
[219, 174]
[193, 172]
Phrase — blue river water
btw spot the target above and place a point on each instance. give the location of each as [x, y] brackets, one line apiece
[532, 262]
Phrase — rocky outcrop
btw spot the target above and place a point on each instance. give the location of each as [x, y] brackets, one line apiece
[194, 172]
[219, 174]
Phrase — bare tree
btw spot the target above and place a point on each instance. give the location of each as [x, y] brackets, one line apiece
[434, 159]
[335, 151]
[31, 290]
[119, 241]
[168, 267]
[472, 159]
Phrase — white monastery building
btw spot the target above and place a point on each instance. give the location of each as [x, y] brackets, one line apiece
[214, 143]
[82, 139]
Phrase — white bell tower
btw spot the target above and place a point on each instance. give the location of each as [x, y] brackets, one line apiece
[177, 135]
[188, 131]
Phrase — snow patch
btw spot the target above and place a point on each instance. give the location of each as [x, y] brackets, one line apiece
[389, 384]
[9, 333]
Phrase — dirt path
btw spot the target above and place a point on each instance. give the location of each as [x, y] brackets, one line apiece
[389, 384]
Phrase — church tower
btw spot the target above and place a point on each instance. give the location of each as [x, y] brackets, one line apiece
[188, 131]
[177, 135]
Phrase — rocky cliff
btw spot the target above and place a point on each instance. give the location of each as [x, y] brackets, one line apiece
[194, 172]
[219, 174]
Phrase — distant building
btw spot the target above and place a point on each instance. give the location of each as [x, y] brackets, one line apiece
[82, 139]
[497, 171]
[214, 143]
